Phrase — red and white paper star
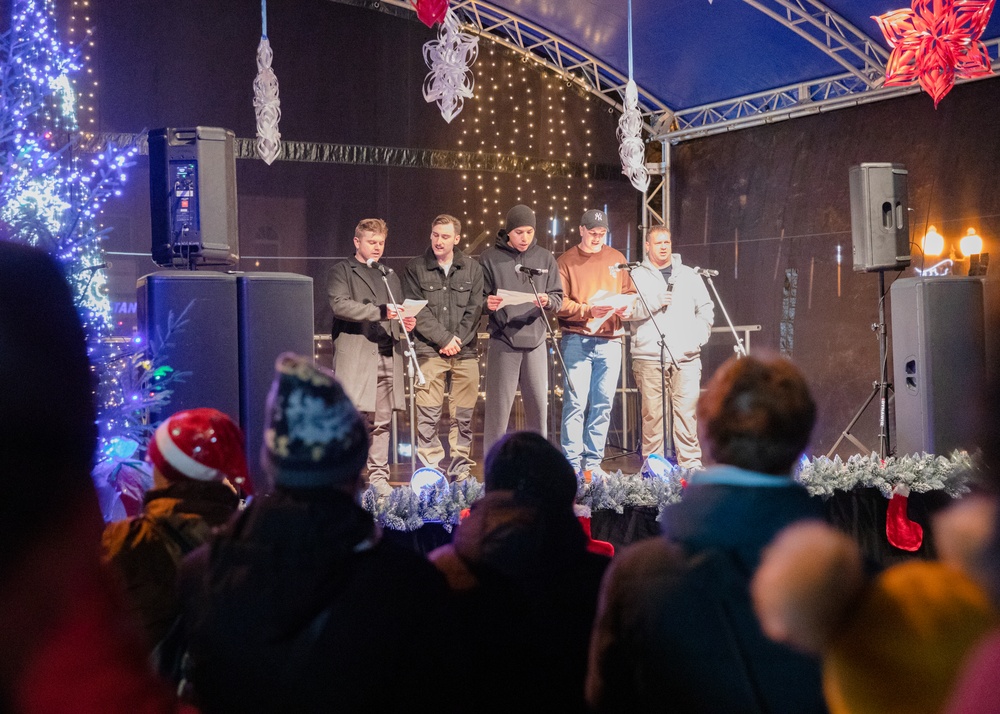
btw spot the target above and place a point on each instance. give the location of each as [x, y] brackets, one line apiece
[936, 42]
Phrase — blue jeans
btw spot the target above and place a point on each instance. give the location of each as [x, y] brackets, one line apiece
[593, 367]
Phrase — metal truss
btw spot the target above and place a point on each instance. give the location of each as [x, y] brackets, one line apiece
[830, 33]
[822, 95]
[536, 44]
[863, 59]
[861, 56]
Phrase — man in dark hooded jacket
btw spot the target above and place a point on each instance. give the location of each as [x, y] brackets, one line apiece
[299, 603]
[517, 357]
[526, 583]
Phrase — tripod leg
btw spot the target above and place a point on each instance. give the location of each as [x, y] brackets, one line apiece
[669, 448]
[846, 433]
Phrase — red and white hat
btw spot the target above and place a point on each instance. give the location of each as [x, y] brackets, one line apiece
[200, 445]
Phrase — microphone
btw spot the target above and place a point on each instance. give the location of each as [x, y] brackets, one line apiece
[628, 266]
[530, 271]
[706, 272]
[670, 283]
[372, 263]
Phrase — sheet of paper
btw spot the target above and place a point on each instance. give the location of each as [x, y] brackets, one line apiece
[612, 300]
[515, 297]
[412, 307]
[606, 298]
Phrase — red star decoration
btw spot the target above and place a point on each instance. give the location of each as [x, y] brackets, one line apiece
[936, 42]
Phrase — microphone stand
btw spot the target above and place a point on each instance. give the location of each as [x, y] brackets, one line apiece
[664, 351]
[412, 368]
[738, 348]
[552, 334]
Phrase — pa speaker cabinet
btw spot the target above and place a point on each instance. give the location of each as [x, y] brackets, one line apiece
[880, 226]
[192, 197]
[275, 316]
[939, 362]
[190, 319]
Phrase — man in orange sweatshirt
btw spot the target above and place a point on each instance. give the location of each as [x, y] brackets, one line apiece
[594, 282]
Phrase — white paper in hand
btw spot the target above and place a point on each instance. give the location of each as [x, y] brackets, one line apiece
[410, 308]
[514, 297]
[606, 298]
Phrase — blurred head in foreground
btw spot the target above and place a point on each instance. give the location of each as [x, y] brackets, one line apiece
[756, 414]
[895, 643]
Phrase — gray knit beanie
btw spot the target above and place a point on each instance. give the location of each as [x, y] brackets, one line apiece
[520, 216]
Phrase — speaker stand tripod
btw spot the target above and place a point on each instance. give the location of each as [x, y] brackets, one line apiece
[881, 388]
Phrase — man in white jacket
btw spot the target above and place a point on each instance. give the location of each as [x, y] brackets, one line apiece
[684, 312]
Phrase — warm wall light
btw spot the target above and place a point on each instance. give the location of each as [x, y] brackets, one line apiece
[933, 242]
[971, 243]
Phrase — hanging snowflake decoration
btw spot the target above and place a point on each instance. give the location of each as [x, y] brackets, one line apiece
[450, 81]
[936, 42]
[631, 147]
[265, 99]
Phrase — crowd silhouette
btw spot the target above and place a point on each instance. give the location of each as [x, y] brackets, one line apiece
[214, 599]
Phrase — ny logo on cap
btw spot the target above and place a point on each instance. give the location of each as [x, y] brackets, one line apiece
[598, 216]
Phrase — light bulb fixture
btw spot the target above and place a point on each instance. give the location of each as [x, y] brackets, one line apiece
[426, 479]
[656, 466]
[971, 243]
[932, 243]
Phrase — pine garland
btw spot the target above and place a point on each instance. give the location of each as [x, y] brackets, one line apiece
[920, 472]
[407, 510]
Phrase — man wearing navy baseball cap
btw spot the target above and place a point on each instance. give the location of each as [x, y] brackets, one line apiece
[592, 335]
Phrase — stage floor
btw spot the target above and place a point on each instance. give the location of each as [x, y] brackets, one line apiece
[628, 463]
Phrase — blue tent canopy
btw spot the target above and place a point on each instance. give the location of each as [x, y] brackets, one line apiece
[689, 53]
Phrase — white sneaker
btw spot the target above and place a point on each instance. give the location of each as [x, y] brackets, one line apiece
[382, 487]
[597, 472]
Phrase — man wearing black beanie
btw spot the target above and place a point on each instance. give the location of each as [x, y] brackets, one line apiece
[516, 355]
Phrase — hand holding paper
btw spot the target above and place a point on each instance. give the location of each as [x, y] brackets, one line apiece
[509, 298]
[410, 308]
[610, 304]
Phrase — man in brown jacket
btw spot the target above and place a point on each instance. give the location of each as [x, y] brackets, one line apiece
[592, 332]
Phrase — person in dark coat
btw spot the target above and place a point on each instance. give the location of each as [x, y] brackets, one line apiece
[517, 358]
[367, 334]
[197, 457]
[67, 640]
[526, 581]
[299, 605]
[676, 630]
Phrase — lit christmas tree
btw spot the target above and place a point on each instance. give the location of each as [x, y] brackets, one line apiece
[50, 197]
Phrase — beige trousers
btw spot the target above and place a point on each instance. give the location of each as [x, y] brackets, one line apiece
[683, 386]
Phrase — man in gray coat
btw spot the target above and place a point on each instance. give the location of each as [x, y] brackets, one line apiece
[684, 312]
[366, 355]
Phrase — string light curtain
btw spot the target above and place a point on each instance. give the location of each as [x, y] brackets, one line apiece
[521, 114]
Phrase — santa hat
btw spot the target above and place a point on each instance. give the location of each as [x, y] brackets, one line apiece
[200, 445]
